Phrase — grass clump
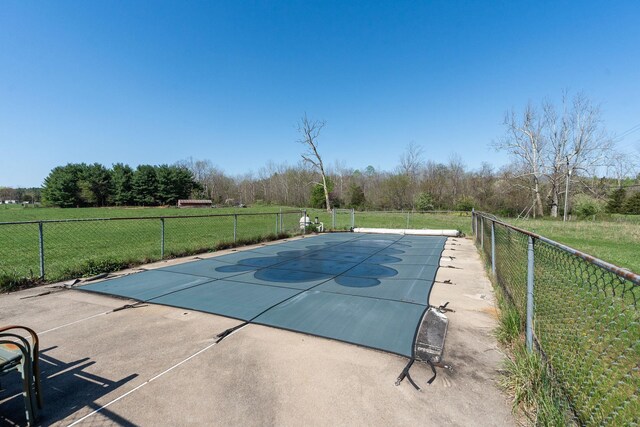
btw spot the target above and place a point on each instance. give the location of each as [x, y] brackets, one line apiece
[510, 324]
[526, 377]
[528, 380]
[92, 267]
[12, 281]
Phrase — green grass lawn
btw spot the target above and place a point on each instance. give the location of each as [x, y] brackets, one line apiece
[457, 220]
[585, 318]
[576, 325]
[617, 242]
[76, 248]
[14, 213]
[72, 248]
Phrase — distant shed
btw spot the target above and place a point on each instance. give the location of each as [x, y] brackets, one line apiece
[188, 203]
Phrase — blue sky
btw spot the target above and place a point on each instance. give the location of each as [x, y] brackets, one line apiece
[156, 82]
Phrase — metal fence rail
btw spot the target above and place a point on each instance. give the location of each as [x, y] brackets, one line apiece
[345, 219]
[60, 249]
[582, 313]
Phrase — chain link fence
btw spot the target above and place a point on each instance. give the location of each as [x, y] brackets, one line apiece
[61, 249]
[581, 313]
[346, 219]
[55, 250]
[414, 219]
[335, 219]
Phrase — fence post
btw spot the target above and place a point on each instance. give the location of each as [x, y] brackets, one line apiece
[281, 228]
[333, 218]
[493, 247]
[408, 216]
[277, 222]
[161, 238]
[482, 232]
[41, 241]
[304, 222]
[530, 267]
[353, 218]
[477, 233]
[235, 228]
[475, 228]
[473, 222]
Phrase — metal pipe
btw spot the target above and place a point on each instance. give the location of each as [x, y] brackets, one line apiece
[333, 218]
[353, 218]
[304, 222]
[530, 277]
[41, 244]
[482, 233]
[477, 235]
[626, 274]
[473, 218]
[161, 238]
[235, 228]
[566, 192]
[44, 221]
[493, 247]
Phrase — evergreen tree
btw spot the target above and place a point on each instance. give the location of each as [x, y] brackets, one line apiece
[615, 204]
[94, 183]
[145, 185]
[61, 186]
[318, 199]
[174, 183]
[121, 184]
[356, 196]
[424, 202]
[632, 205]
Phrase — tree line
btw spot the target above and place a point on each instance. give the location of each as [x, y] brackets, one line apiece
[415, 183]
[562, 160]
[20, 194]
[554, 147]
[82, 185]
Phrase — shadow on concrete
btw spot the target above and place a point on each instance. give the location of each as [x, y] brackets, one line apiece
[66, 389]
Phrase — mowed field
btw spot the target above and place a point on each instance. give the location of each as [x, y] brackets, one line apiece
[617, 242]
[77, 248]
[80, 246]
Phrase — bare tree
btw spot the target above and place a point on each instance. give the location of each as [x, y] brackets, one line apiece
[310, 131]
[557, 135]
[579, 144]
[622, 165]
[524, 142]
[456, 174]
[411, 161]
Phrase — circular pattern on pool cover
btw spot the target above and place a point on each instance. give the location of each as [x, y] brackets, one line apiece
[369, 277]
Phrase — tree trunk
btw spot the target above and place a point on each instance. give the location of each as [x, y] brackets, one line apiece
[537, 211]
[326, 191]
[555, 199]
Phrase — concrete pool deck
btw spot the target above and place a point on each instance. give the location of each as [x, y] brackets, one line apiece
[154, 364]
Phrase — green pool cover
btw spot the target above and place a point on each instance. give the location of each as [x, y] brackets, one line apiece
[365, 289]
